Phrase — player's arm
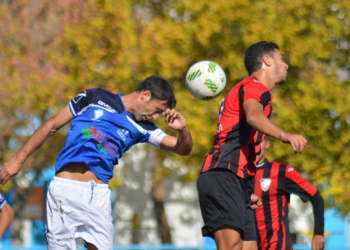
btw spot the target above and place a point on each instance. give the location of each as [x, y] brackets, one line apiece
[182, 144]
[6, 218]
[296, 184]
[256, 118]
[318, 241]
[12, 167]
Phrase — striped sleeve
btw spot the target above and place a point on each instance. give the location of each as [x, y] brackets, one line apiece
[297, 185]
[80, 103]
[255, 90]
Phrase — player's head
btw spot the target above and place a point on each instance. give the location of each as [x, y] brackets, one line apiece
[266, 55]
[254, 55]
[156, 96]
[265, 144]
[160, 89]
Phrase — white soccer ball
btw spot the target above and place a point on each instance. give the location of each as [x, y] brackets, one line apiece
[205, 80]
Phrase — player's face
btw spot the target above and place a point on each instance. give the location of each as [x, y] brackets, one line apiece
[150, 109]
[280, 68]
[260, 157]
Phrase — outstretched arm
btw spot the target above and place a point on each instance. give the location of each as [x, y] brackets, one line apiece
[253, 111]
[6, 218]
[182, 144]
[12, 167]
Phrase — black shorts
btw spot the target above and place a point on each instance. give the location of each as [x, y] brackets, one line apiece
[224, 199]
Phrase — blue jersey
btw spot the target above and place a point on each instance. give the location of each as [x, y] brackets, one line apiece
[2, 201]
[101, 131]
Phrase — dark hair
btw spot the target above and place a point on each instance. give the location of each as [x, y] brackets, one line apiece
[255, 54]
[159, 88]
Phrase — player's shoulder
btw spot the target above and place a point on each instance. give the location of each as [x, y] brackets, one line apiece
[101, 98]
[250, 84]
[254, 83]
[97, 92]
[290, 170]
[286, 169]
[142, 125]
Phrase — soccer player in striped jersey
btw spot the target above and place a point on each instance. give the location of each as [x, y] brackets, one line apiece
[104, 126]
[224, 185]
[273, 183]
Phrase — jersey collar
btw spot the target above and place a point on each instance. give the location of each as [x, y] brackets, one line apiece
[262, 164]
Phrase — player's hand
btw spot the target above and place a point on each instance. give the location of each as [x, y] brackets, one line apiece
[256, 202]
[174, 119]
[9, 169]
[318, 242]
[298, 142]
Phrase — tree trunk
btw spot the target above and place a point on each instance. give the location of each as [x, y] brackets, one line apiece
[158, 200]
[136, 229]
[20, 198]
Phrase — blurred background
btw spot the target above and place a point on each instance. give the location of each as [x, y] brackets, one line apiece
[52, 50]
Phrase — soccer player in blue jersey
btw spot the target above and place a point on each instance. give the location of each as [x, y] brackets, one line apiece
[6, 215]
[104, 126]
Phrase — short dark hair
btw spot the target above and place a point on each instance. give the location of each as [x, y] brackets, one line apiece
[255, 54]
[159, 88]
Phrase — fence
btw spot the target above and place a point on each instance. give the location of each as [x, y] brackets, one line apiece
[162, 247]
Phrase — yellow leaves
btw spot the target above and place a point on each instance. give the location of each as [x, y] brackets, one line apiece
[115, 182]
[4, 189]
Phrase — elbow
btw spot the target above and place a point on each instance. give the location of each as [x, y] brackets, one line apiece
[50, 127]
[190, 149]
[186, 152]
[251, 120]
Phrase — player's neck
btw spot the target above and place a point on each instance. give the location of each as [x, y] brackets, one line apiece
[129, 101]
[260, 163]
[265, 78]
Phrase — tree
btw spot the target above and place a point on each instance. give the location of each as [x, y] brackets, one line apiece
[30, 92]
[115, 45]
[124, 43]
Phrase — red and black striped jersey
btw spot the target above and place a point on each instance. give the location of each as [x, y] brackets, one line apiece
[236, 143]
[273, 183]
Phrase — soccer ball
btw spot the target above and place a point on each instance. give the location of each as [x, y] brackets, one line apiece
[205, 80]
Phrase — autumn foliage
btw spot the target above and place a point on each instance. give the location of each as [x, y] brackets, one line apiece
[52, 50]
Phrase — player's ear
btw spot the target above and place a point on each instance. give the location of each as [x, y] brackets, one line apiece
[146, 95]
[267, 61]
[268, 144]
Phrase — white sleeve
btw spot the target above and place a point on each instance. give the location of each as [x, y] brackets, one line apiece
[156, 137]
[2, 201]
